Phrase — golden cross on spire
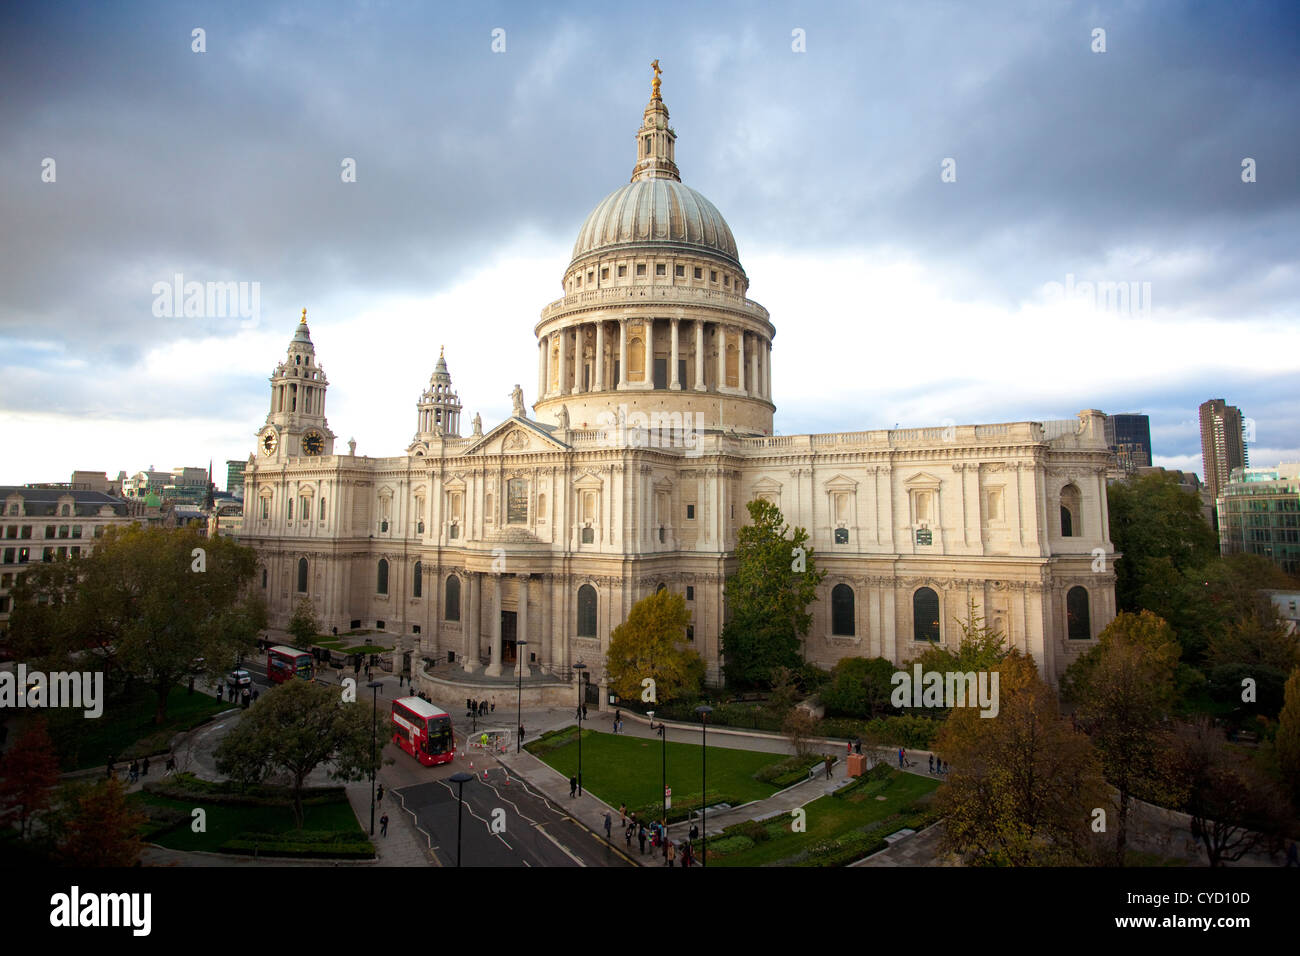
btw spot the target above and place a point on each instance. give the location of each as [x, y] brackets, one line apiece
[654, 86]
[441, 350]
[304, 316]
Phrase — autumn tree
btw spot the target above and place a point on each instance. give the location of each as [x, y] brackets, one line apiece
[776, 579]
[979, 648]
[1258, 646]
[859, 687]
[99, 827]
[1287, 743]
[146, 602]
[295, 728]
[1234, 810]
[29, 771]
[1023, 785]
[651, 643]
[1124, 689]
[303, 625]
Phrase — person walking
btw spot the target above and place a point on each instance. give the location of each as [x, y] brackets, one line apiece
[627, 835]
[857, 745]
[383, 825]
[828, 760]
[608, 827]
[573, 786]
[379, 794]
[640, 838]
[900, 758]
[134, 773]
[618, 717]
[494, 705]
[931, 763]
[622, 814]
[521, 733]
[671, 853]
[695, 833]
[221, 690]
[144, 767]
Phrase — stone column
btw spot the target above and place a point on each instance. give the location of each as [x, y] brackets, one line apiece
[564, 390]
[673, 381]
[767, 371]
[755, 383]
[469, 625]
[622, 354]
[541, 366]
[699, 356]
[740, 362]
[494, 665]
[521, 629]
[599, 384]
[722, 357]
[577, 360]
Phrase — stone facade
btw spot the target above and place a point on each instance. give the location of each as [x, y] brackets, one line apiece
[653, 430]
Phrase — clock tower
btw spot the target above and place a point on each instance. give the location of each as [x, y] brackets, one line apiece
[295, 426]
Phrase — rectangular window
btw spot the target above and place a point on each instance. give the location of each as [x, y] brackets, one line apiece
[699, 273]
[660, 269]
[49, 531]
[604, 273]
[266, 508]
[76, 550]
[517, 501]
[726, 280]
[679, 271]
[590, 276]
[690, 512]
[63, 531]
[99, 531]
[12, 531]
[9, 555]
[76, 531]
[579, 282]
[622, 271]
[690, 632]
[4, 604]
[713, 275]
[63, 551]
[640, 268]
[24, 555]
[690, 592]
[27, 532]
[290, 509]
[47, 555]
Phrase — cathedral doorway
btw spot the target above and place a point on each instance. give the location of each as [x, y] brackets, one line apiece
[509, 634]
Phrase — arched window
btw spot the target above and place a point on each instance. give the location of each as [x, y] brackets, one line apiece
[662, 587]
[841, 611]
[302, 575]
[925, 615]
[452, 604]
[1079, 627]
[417, 583]
[586, 611]
[1071, 525]
[382, 584]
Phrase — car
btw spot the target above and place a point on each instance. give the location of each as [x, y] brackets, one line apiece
[240, 678]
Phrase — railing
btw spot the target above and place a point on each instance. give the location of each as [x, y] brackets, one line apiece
[638, 294]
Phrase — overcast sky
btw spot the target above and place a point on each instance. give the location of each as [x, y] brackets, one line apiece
[898, 298]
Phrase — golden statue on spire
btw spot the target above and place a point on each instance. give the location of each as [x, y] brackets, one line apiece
[654, 86]
[304, 316]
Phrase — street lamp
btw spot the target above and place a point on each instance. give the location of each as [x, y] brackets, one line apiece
[581, 668]
[374, 686]
[662, 730]
[704, 710]
[460, 779]
[519, 705]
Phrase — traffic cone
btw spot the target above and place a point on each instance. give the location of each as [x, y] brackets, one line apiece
[485, 774]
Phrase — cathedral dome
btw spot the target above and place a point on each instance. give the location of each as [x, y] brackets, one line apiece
[660, 213]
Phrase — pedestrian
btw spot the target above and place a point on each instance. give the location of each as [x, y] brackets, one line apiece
[829, 760]
[857, 745]
[931, 763]
[640, 838]
[608, 825]
[494, 705]
[618, 718]
[221, 690]
[467, 707]
[687, 855]
[248, 698]
[671, 853]
[848, 747]
[521, 733]
[627, 835]
[622, 814]
[584, 711]
[900, 758]
[144, 768]
[383, 825]
[135, 771]
[379, 794]
[255, 693]
[695, 833]
[573, 786]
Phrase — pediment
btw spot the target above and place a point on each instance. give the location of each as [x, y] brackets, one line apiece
[516, 436]
[841, 483]
[767, 485]
[923, 479]
[589, 482]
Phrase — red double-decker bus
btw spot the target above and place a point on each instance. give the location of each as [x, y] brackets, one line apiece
[284, 662]
[423, 731]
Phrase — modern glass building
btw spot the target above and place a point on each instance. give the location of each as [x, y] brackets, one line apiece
[1259, 513]
[1129, 437]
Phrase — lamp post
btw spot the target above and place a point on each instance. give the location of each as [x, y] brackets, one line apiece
[460, 779]
[519, 705]
[704, 710]
[662, 730]
[581, 668]
[374, 686]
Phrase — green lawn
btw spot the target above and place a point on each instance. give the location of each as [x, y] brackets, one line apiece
[621, 769]
[853, 809]
[225, 822]
[126, 727]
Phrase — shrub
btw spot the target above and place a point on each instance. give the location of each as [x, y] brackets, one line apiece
[787, 772]
[755, 831]
[729, 844]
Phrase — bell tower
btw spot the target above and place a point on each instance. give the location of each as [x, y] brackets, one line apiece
[295, 425]
[439, 406]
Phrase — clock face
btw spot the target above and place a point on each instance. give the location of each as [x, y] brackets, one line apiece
[269, 441]
[313, 443]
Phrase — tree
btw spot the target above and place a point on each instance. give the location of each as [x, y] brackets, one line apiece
[1151, 518]
[1023, 784]
[798, 726]
[776, 579]
[1233, 809]
[1124, 688]
[144, 603]
[860, 687]
[29, 771]
[1287, 743]
[294, 729]
[303, 625]
[651, 643]
[1257, 646]
[99, 827]
[980, 648]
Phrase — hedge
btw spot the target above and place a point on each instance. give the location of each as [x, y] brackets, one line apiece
[785, 773]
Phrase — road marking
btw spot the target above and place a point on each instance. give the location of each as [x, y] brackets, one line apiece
[563, 849]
